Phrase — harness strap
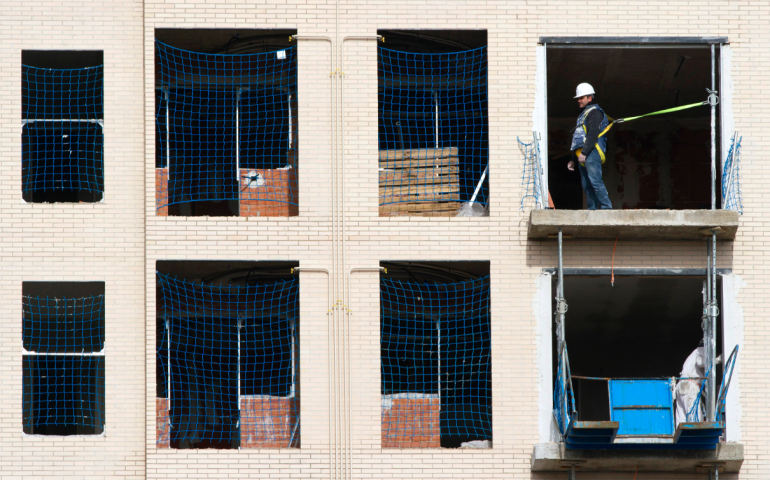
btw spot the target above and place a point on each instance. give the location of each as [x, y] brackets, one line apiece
[668, 110]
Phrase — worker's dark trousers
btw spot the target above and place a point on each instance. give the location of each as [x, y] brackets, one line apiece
[591, 178]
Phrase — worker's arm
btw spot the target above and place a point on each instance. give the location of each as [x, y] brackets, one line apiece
[593, 124]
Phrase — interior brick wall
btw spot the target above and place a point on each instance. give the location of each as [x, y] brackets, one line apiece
[269, 422]
[277, 197]
[411, 423]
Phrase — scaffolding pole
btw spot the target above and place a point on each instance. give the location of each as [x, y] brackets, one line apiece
[712, 94]
[561, 309]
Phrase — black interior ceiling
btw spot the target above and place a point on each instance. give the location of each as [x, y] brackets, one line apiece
[644, 326]
[629, 81]
[433, 41]
[226, 40]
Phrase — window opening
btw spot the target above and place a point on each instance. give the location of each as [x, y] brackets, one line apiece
[433, 123]
[227, 355]
[643, 327]
[226, 123]
[632, 336]
[435, 350]
[658, 162]
[63, 358]
[62, 126]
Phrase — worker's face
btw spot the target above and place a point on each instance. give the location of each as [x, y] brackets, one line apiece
[584, 100]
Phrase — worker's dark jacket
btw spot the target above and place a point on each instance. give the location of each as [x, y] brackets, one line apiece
[591, 122]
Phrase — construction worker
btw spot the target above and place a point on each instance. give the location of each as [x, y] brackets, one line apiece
[590, 148]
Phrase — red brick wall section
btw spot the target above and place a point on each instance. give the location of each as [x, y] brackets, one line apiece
[161, 191]
[268, 422]
[162, 424]
[277, 197]
[411, 423]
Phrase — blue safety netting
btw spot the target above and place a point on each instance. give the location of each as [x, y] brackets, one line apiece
[62, 129]
[731, 178]
[63, 364]
[433, 126]
[435, 346]
[531, 176]
[224, 122]
[232, 356]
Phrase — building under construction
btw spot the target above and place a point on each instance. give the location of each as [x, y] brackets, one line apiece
[341, 240]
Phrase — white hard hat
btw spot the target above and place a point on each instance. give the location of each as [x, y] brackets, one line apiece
[584, 89]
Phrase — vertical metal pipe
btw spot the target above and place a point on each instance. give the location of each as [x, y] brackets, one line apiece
[713, 333]
[707, 326]
[713, 131]
[438, 349]
[168, 359]
[562, 331]
[435, 100]
[288, 109]
[168, 135]
[560, 300]
[238, 379]
[238, 148]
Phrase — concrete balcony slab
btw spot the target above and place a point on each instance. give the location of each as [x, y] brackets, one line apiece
[633, 224]
[555, 457]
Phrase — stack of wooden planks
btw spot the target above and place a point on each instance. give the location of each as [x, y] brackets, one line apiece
[421, 182]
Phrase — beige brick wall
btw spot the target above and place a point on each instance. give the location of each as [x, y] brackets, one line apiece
[76, 242]
[119, 242]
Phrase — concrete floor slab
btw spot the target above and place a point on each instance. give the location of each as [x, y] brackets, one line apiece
[554, 457]
[633, 224]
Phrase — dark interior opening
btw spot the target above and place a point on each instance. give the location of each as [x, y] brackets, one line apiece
[202, 116]
[643, 327]
[204, 358]
[62, 145]
[63, 395]
[437, 100]
[659, 162]
[435, 340]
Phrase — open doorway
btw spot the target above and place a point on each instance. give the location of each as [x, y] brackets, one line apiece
[659, 162]
[643, 327]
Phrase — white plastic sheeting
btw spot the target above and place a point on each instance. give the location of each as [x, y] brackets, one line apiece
[687, 390]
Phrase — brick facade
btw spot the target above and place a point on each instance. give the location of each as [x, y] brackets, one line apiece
[119, 240]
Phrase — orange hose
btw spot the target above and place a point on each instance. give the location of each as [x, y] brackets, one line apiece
[612, 279]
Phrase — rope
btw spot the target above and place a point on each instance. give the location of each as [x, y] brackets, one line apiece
[612, 278]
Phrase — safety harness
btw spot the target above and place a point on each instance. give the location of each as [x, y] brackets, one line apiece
[712, 100]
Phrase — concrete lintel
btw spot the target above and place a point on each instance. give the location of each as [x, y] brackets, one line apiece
[554, 457]
[633, 224]
[683, 41]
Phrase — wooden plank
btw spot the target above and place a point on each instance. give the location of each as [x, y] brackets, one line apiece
[418, 153]
[452, 213]
[419, 189]
[420, 163]
[448, 180]
[442, 197]
[421, 207]
[419, 175]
